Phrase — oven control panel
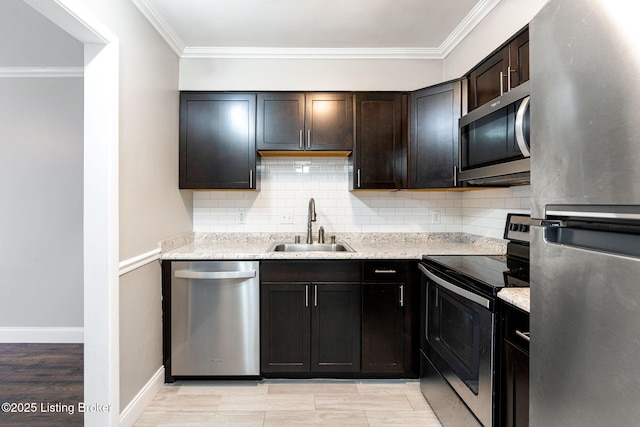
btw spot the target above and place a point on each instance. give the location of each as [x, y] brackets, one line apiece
[518, 227]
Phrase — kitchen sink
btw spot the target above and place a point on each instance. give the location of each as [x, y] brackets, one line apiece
[315, 247]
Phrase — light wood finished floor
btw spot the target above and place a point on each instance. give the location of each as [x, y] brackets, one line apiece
[290, 403]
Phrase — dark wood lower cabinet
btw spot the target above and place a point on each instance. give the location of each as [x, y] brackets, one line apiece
[515, 368]
[335, 327]
[383, 339]
[516, 399]
[346, 318]
[310, 317]
[285, 335]
[310, 327]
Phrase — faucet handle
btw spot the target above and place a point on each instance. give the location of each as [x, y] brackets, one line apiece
[333, 239]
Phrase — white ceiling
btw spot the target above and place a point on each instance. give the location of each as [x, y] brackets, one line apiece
[314, 28]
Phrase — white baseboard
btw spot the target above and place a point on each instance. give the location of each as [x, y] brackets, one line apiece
[59, 335]
[139, 403]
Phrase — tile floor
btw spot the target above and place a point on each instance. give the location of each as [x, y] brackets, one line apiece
[290, 403]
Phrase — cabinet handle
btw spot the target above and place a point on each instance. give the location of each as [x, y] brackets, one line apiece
[524, 335]
[509, 71]
[501, 83]
[455, 176]
[358, 184]
[301, 139]
[306, 295]
[315, 295]
[384, 271]
[401, 295]
[309, 138]
[250, 178]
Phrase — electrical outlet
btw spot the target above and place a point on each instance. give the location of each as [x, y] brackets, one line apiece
[242, 216]
[286, 218]
[436, 217]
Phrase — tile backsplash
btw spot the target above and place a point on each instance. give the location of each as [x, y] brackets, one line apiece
[287, 184]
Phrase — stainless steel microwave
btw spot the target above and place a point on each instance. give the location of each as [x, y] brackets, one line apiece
[494, 141]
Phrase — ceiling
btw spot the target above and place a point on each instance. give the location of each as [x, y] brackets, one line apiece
[427, 29]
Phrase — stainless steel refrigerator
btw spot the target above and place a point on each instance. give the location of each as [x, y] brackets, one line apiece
[585, 185]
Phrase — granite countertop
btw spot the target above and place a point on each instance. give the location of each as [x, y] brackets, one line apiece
[518, 297]
[220, 246]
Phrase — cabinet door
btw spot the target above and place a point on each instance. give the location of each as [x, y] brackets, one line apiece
[378, 149]
[489, 79]
[516, 398]
[519, 58]
[433, 137]
[383, 335]
[285, 328]
[217, 140]
[280, 121]
[335, 326]
[329, 121]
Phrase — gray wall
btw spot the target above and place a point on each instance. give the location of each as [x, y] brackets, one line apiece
[41, 174]
[28, 39]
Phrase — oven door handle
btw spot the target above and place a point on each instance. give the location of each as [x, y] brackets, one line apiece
[456, 289]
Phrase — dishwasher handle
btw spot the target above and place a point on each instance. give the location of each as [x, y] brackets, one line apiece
[191, 274]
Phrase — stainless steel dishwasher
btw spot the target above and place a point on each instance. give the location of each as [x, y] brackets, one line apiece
[215, 318]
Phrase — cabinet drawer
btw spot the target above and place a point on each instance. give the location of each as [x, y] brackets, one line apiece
[384, 271]
[516, 325]
[310, 271]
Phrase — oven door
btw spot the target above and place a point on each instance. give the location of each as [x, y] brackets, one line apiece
[458, 338]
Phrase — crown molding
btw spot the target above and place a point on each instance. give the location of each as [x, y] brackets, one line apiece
[160, 24]
[480, 10]
[41, 71]
[310, 53]
[473, 18]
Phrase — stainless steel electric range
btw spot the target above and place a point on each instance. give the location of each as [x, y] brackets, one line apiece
[459, 331]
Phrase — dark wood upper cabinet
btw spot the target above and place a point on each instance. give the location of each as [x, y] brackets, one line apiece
[504, 69]
[305, 121]
[487, 80]
[378, 157]
[519, 54]
[280, 121]
[217, 140]
[433, 135]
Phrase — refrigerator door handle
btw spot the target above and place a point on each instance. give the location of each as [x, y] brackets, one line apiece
[552, 223]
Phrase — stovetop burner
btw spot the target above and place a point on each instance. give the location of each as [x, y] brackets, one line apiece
[490, 273]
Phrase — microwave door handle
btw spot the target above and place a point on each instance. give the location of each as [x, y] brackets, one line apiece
[455, 289]
[520, 139]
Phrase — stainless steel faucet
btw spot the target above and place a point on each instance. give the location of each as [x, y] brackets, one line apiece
[311, 218]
